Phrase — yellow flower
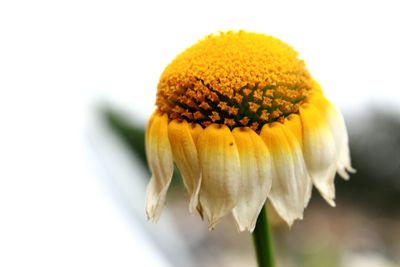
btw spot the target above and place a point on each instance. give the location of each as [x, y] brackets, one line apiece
[244, 122]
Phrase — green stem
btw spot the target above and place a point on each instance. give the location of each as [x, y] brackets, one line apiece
[263, 241]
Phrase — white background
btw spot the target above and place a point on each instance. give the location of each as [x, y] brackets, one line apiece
[60, 59]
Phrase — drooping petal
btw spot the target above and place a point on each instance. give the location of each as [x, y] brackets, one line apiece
[256, 178]
[159, 157]
[289, 184]
[319, 151]
[293, 122]
[339, 130]
[338, 126]
[343, 161]
[185, 156]
[220, 167]
[195, 131]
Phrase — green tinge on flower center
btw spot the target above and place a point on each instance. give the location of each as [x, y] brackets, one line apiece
[237, 79]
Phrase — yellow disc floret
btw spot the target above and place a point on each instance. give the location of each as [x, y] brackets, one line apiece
[234, 78]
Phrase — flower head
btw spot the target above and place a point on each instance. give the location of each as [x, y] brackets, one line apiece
[244, 122]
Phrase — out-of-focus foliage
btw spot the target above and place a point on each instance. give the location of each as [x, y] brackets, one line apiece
[133, 136]
[130, 133]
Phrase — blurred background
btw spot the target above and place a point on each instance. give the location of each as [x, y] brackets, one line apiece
[77, 85]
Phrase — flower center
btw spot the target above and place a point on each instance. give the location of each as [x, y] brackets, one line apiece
[234, 78]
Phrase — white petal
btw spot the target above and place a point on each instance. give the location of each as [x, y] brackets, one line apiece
[220, 167]
[195, 131]
[319, 151]
[290, 180]
[159, 157]
[343, 161]
[256, 178]
[293, 122]
[339, 132]
[185, 156]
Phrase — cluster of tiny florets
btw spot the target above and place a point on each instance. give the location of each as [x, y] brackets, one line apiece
[234, 78]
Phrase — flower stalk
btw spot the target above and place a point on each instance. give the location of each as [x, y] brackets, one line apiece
[263, 241]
